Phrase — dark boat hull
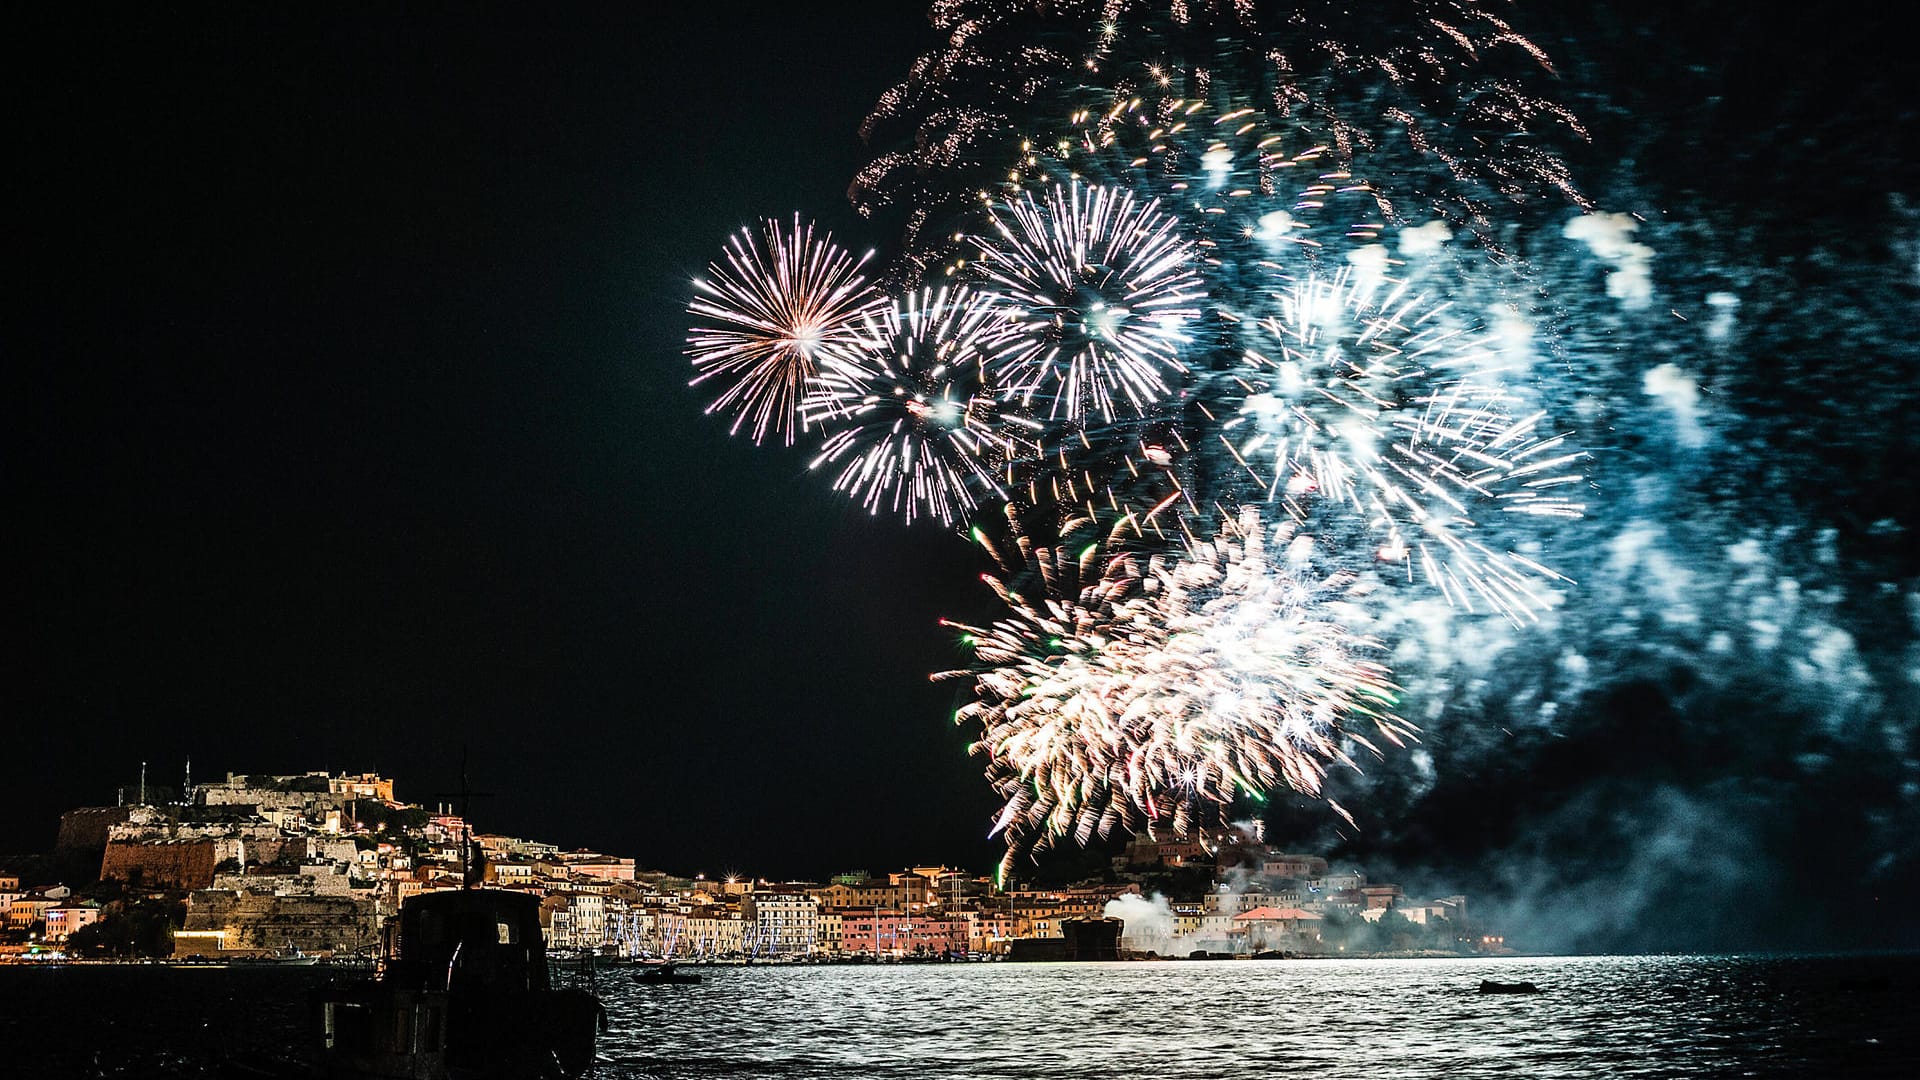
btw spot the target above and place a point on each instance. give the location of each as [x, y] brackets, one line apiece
[373, 1032]
[466, 994]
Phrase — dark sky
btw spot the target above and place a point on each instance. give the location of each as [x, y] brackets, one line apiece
[348, 429]
[351, 429]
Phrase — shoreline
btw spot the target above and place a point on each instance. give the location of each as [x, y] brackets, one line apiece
[341, 967]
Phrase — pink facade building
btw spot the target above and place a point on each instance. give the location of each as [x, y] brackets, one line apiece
[884, 932]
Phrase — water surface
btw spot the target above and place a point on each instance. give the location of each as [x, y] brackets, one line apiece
[1596, 1017]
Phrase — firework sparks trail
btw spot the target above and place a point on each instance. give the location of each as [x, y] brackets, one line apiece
[1413, 91]
[783, 302]
[1373, 404]
[1126, 689]
[1233, 174]
[913, 435]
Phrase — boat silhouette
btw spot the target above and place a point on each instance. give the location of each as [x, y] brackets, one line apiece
[664, 975]
[466, 994]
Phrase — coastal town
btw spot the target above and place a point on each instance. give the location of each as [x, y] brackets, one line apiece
[259, 868]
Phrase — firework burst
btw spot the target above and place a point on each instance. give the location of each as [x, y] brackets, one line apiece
[1172, 307]
[1100, 289]
[912, 433]
[1372, 403]
[782, 302]
[1128, 688]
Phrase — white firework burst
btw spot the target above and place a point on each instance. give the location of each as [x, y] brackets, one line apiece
[909, 430]
[782, 302]
[1132, 689]
[1101, 290]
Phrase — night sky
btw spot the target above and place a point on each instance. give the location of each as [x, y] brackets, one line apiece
[353, 432]
[349, 430]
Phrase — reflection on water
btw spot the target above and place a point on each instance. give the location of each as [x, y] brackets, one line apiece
[1596, 1016]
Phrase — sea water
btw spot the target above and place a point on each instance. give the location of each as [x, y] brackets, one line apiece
[1663, 1016]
